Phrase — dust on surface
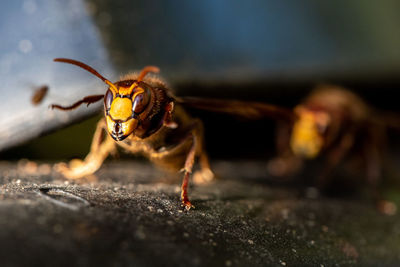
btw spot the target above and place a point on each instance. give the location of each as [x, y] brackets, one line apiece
[129, 215]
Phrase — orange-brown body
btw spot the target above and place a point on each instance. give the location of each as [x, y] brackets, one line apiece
[141, 116]
[166, 147]
[333, 123]
[323, 117]
[329, 122]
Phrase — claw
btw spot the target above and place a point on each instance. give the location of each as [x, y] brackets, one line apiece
[186, 205]
[73, 170]
[61, 167]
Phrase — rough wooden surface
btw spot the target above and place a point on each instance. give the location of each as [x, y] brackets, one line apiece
[129, 215]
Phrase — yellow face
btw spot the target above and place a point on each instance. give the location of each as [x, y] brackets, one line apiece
[122, 109]
[124, 101]
[307, 137]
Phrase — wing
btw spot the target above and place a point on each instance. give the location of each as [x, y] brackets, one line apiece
[244, 109]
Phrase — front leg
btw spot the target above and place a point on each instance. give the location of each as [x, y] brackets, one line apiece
[204, 175]
[285, 165]
[98, 153]
[372, 154]
[187, 170]
[334, 158]
[185, 150]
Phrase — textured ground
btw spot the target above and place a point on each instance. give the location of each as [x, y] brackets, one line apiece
[129, 215]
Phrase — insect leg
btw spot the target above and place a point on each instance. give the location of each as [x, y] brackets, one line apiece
[204, 175]
[335, 156]
[196, 134]
[285, 164]
[98, 153]
[372, 165]
[373, 154]
[189, 147]
[187, 170]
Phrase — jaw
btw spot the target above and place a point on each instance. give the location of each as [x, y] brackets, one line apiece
[120, 130]
[118, 137]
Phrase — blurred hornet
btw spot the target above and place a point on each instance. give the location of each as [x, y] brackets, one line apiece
[142, 116]
[331, 123]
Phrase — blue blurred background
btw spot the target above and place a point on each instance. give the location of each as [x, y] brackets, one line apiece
[237, 40]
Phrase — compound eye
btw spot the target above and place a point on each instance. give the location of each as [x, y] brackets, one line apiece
[108, 98]
[140, 102]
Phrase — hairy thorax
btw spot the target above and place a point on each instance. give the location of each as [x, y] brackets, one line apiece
[166, 147]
